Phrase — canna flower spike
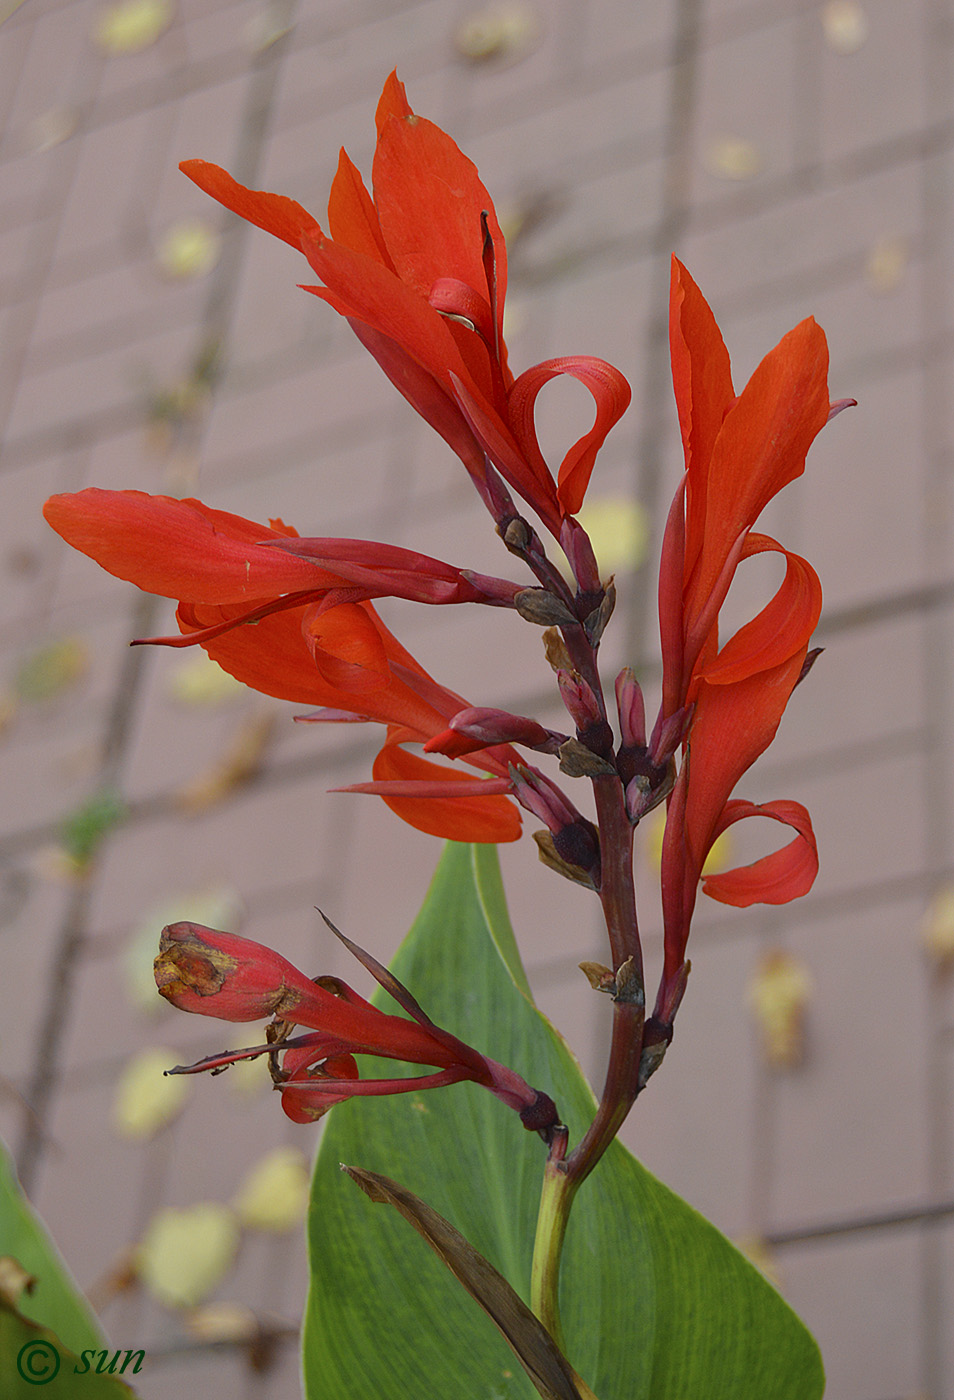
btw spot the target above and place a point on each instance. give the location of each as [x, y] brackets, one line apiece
[420, 272]
[235, 979]
[723, 699]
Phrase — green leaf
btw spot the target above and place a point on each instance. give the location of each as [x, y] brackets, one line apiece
[32, 1356]
[54, 1301]
[656, 1304]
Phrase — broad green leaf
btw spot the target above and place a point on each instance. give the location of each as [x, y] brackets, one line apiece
[656, 1304]
[54, 1301]
[33, 1356]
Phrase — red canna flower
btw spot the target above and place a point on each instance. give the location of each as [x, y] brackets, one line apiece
[723, 700]
[232, 978]
[420, 272]
[316, 640]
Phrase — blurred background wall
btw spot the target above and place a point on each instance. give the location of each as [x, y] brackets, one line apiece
[798, 157]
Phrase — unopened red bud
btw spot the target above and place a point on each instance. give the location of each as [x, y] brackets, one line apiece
[488, 726]
[631, 708]
[221, 974]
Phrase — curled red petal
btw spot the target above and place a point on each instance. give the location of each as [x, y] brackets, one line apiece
[782, 628]
[347, 648]
[611, 394]
[534, 484]
[275, 213]
[783, 875]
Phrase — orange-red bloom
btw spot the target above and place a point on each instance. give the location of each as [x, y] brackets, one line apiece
[234, 979]
[287, 625]
[420, 272]
[724, 699]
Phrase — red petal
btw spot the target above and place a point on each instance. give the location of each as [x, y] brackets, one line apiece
[273, 657]
[777, 878]
[181, 549]
[469, 818]
[782, 628]
[352, 217]
[360, 287]
[392, 102]
[347, 648]
[537, 488]
[275, 213]
[430, 199]
[612, 396]
[762, 446]
[732, 725]
[702, 381]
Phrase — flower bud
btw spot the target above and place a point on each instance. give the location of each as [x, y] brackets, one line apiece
[221, 974]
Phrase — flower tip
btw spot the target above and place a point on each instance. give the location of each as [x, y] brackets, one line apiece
[839, 406]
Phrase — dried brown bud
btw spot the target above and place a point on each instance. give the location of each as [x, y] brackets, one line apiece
[577, 761]
[540, 606]
[595, 623]
[557, 655]
[599, 976]
[554, 861]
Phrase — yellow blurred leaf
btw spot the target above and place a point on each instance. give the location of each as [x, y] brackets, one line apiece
[223, 1322]
[778, 996]
[274, 1194]
[189, 248]
[937, 930]
[186, 1253]
[269, 24]
[845, 25]
[52, 669]
[720, 857]
[619, 529]
[146, 1098]
[240, 763]
[733, 158]
[886, 263]
[132, 25]
[217, 906]
[506, 31]
[654, 828]
[201, 681]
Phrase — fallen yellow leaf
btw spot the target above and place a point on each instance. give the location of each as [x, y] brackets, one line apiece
[274, 1194]
[132, 25]
[186, 1253]
[146, 1098]
[778, 995]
